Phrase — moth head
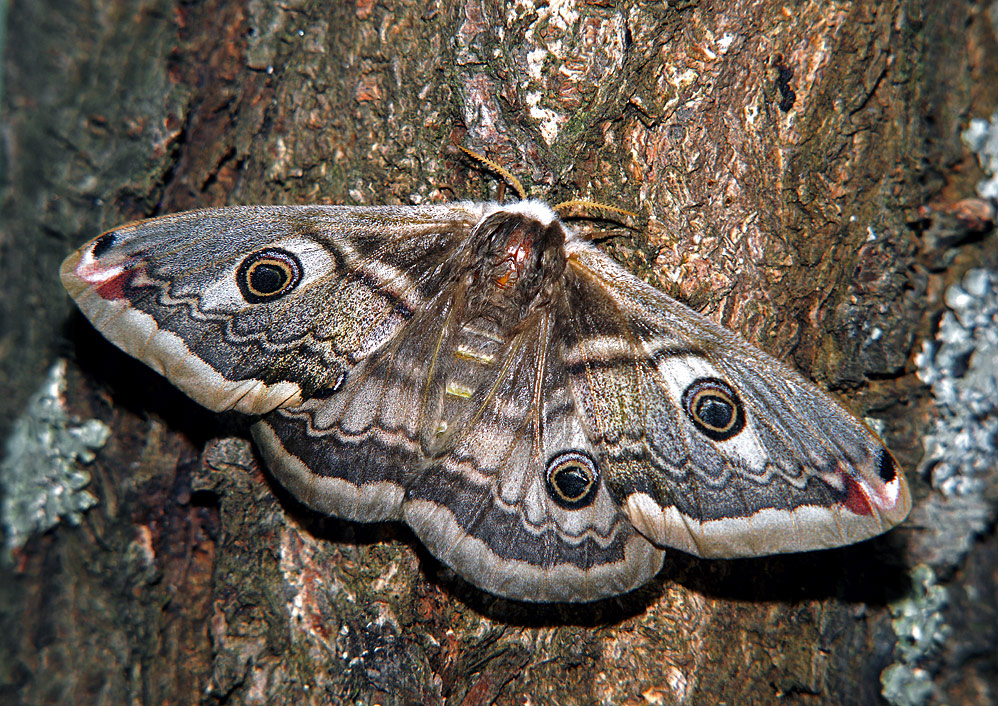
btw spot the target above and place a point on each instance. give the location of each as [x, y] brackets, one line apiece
[515, 251]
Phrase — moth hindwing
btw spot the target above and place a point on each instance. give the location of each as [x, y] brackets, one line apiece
[546, 422]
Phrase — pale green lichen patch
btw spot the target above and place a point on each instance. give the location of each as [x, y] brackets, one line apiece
[40, 474]
[921, 628]
[981, 136]
[961, 448]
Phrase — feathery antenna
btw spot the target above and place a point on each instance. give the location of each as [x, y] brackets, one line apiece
[593, 204]
[515, 183]
[502, 171]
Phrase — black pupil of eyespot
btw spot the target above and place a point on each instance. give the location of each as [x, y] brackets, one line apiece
[572, 481]
[267, 278]
[714, 411]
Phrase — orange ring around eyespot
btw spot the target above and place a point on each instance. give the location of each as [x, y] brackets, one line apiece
[565, 469]
[280, 263]
[706, 390]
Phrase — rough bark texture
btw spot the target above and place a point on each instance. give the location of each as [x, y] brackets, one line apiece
[764, 141]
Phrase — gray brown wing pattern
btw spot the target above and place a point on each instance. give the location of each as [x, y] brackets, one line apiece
[543, 420]
[455, 437]
[173, 292]
[791, 472]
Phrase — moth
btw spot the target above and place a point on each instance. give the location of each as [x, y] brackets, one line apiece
[544, 421]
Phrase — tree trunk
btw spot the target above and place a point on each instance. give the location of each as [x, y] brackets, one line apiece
[780, 154]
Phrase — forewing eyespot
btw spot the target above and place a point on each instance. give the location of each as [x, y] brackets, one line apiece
[714, 408]
[571, 480]
[267, 275]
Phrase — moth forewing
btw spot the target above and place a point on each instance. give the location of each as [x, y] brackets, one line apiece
[838, 483]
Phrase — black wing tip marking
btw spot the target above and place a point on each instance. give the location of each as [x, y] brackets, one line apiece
[887, 468]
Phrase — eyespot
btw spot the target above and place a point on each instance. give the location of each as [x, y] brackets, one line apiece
[267, 275]
[571, 480]
[714, 408]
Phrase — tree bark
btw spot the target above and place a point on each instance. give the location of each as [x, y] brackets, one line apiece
[779, 152]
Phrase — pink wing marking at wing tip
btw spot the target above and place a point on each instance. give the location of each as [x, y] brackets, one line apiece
[109, 281]
[864, 499]
[114, 288]
[857, 496]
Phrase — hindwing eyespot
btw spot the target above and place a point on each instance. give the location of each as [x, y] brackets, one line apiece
[328, 391]
[571, 480]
